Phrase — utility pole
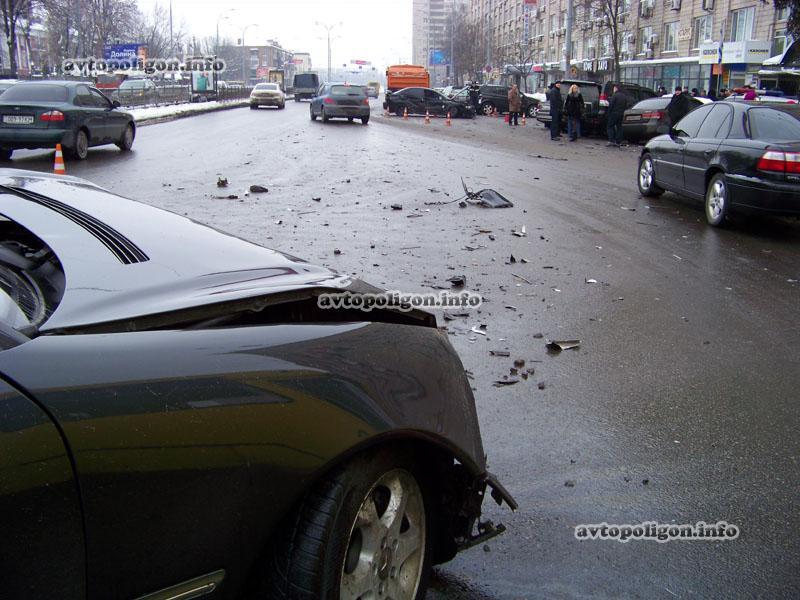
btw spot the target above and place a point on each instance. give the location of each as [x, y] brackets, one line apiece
[328, 29]
[568, 37]
[171, 46]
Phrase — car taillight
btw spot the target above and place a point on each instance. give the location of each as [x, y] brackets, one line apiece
[773, 161]
[52, 115]
[603, 100]
[328, 101]
[652, 115]
[366, 101]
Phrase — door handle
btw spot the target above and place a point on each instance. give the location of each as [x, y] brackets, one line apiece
[708, 152]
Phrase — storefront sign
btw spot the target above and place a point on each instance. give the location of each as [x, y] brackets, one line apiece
[746, 52]
[709, 53]
[588, 65]
[602, 64]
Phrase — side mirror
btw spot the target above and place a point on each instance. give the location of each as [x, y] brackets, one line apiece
[116, 104]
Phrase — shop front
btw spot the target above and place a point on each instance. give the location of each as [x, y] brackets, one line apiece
[737, 64]
[671, 72]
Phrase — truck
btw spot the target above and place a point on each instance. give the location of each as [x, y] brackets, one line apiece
[305, 86]
[403, 76]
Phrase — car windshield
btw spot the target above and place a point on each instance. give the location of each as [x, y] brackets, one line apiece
[267, 86]
[773, 125]
[36, 92]
[346, 90]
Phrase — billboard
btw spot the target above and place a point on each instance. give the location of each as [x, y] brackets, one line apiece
[204, 82]
[128, 52]
[438, 58]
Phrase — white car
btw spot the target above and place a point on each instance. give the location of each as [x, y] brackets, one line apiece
[267, 94]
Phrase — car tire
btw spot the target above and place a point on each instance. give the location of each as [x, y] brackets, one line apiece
[322, 115]
[253, 107]
[487, 108]
[349, 119]
[532, 110]
[282, 106]
[399, 111]
[311, 112]
[5, 153]
[81, 148]
[718, 200]
[126, 141]
[364, 120]
[327, 546]
[646, 178]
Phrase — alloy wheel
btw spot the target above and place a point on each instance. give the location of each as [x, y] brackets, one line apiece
[716, 203]
[646, 175]
[386, 549]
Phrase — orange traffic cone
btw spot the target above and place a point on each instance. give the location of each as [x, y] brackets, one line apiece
[523, 119]
[58, 166]
[448, 122]
[427, 118]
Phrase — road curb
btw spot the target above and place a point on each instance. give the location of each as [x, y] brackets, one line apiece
[192, 113]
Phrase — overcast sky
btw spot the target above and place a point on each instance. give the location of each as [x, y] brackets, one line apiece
[375, 30]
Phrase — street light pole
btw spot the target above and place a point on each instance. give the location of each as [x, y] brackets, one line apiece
[328, 29]
[220, 17]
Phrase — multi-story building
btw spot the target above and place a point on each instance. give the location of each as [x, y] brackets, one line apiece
[707, 44]
[431, 39]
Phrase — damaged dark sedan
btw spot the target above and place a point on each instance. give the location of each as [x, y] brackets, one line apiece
[180, 419]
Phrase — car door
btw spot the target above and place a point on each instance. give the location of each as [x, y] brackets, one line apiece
[92, 116]
[668, 158]
[415, 100]
[434, 103]
[702, 148]
[115, 122]
[42, 548]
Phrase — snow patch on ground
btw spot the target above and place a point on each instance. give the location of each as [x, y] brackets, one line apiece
[149, 113]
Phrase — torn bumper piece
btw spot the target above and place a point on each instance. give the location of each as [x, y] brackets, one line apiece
[486, 529]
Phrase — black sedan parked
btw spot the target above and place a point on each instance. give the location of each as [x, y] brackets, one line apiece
[734, 156]
[340, 101]
[419, 101]
[73, 114]
[649, 118]
[181, 417]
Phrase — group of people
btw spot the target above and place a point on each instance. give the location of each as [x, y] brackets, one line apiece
[573, 106]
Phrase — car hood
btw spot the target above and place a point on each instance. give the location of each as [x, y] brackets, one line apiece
[124, 260]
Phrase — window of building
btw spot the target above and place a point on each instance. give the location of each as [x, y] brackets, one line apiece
[553, 22]
[702, 30]
[645, 33]
[742, 24]
[781, 14]
[605, 44]
[670, 37]
[591, 49]
[780, 42]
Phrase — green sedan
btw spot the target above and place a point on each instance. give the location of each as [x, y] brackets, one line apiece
[70, 113]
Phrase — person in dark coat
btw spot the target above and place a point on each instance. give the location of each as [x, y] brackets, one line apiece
[474, 96]
[614, 115]
[574, 108]
[556, 108]
[678, 106]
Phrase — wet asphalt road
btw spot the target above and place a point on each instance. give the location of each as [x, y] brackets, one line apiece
[681, 403]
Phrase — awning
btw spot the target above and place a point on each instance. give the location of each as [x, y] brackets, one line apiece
[778, 59]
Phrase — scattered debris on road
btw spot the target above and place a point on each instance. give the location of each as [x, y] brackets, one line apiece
[505, 382]
[258, 189]
[559, 345]
[479, 329]
[521, 233]
[397, 207]
[222, 182]
[501, 353]
[458, 280]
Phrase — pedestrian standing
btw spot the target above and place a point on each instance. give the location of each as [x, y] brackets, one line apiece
[616, 111]
[750, 94]
[556, 107]
[574, 108]
[514, 105]
[678, 106]
[474, 96]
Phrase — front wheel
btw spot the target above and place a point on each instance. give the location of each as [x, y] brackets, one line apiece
[399, 111]
[647, 178]
[311, 112]
[487, 108]
[364, 532]
[364, 120]
[717, 201]
[532, 111]
[323, 115]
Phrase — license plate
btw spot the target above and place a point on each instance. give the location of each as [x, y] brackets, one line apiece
[18, 119]
[632, 118]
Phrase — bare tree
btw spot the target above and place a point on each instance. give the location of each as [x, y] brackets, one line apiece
[609, 17]
[12, 11]
[153, 30]
[469, 45]
[793, 24]
[519, 55]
